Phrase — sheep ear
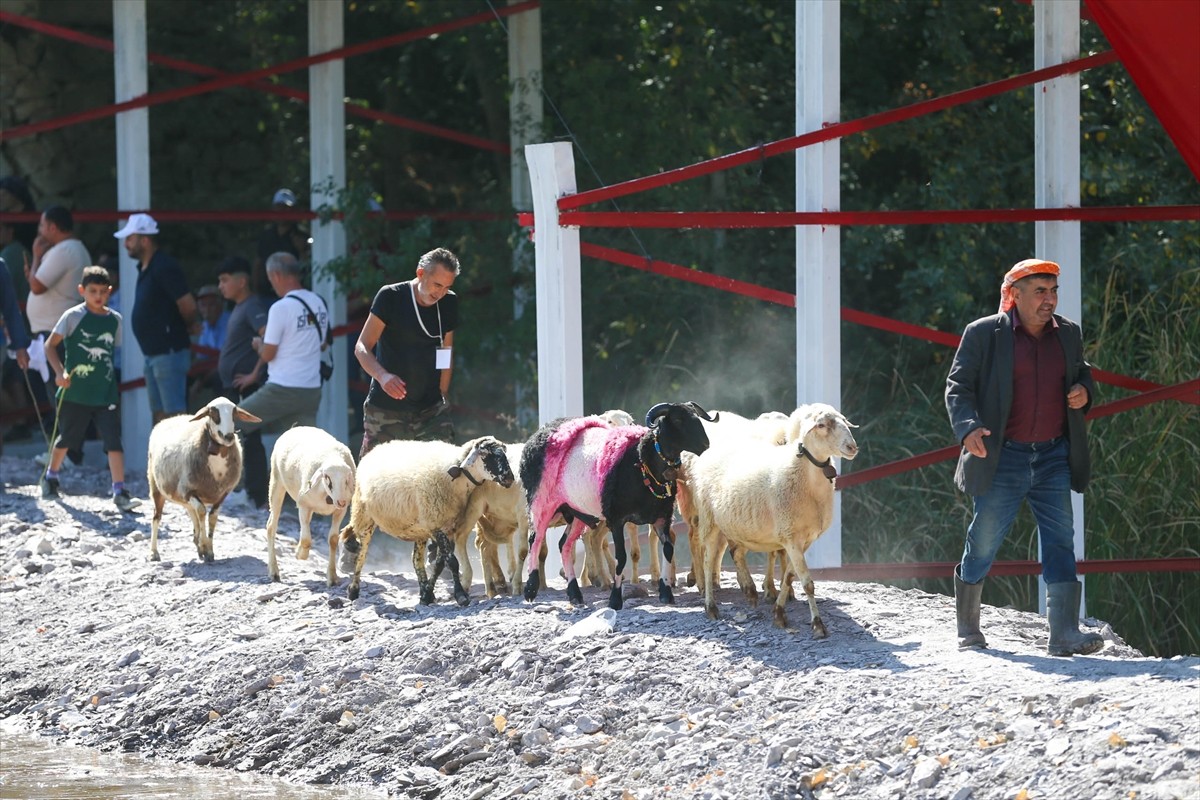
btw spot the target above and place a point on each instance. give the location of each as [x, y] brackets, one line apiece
[315, 483]
[201, 414]
[454, 471]
[244, 416]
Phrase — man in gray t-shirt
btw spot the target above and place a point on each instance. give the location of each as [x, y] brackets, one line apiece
[238, 358]
[247, 320]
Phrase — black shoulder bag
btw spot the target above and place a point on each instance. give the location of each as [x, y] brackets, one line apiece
[326, 339]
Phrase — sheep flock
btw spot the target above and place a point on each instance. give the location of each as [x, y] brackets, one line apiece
[737, 484]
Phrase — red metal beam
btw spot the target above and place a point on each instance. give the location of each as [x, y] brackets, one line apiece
[270, 88]
[241, 79]
[832, 131]
[945, 569]
[781, 219]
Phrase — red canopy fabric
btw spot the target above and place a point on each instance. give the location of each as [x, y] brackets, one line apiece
[1159, 44]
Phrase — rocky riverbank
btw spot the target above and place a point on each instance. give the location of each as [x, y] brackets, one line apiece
[212, 664]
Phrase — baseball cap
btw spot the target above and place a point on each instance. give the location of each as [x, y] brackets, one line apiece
[143, 224]
[206, 290]
[284, 197]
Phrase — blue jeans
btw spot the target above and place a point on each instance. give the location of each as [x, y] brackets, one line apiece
[1040, 474]
[166, 381]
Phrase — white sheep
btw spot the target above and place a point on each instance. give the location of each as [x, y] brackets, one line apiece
[503, 520]
[763, 497]
[418, 492]
[730, 427]
[196, 462]
[318, 472]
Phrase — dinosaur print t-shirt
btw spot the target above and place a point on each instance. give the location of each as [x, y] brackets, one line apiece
[89, 340]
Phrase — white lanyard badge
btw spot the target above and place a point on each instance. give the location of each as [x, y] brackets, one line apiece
[442, 359]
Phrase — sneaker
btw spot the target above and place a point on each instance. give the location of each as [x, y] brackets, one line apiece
[123, 501]
[49, 488]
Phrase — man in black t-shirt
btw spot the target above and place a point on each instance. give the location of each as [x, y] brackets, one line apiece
[405, 347]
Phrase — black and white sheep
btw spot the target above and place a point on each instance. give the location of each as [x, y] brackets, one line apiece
[763, 497]
[318, 472]
[196, 462]
[587, 471]
[418, 492]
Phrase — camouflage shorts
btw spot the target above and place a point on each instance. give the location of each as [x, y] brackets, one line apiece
[380, 425]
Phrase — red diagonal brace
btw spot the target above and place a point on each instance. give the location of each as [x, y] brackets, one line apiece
[241, 79]
[833, 131]
[270, 88]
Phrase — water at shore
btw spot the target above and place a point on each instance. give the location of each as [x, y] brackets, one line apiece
[34, 768]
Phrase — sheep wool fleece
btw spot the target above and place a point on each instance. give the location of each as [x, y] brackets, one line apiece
[616, 442]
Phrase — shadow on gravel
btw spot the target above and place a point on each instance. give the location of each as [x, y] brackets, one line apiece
[1099, 668]
[246, 569]
[115, 524]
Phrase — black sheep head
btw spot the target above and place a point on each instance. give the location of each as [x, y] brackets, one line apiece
[677, 427]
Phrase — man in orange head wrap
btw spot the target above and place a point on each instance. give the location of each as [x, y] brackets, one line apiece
[1016, 394]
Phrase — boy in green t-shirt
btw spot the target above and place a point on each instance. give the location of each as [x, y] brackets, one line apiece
[90, 331]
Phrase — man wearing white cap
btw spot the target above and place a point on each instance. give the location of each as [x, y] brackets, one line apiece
[163, 310]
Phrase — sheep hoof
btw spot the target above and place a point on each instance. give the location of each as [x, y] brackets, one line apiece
[711, 611]
[462, 598]
[352, 592]
[818, 628]
[691, 579]
[155, 557]
[500, 588]
[573, 593]
[751, 595]
[275, 578]
[780, 618]
[426, 596]
[664, 593]
[615, 600]
[531, 586]
[302, 552]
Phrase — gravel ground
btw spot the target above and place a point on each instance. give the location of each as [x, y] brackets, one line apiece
[212, 664]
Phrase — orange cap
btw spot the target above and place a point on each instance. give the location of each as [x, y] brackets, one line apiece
[1023, 269]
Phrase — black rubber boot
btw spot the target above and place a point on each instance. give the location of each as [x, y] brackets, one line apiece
[1062, 612]
[966, 603]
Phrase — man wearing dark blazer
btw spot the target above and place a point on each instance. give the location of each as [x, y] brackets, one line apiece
[1017, 394]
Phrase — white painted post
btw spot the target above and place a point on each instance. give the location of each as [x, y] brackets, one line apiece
[133, 193]
[525, 108]
[559, 328]
[525, 113]
[1056, 175]
[327, 126]
[818, 248]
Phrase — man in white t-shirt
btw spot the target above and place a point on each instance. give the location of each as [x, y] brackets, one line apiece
[54, 278]
[56, 271]
[289, 348]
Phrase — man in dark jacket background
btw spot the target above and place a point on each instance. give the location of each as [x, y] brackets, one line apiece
[1017, 394]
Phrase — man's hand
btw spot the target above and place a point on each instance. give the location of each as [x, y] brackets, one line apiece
[242, 381]
[1077, 396]
[23, 359]
[973, 442]
[394, 387]
[40, 246]
[64, 380]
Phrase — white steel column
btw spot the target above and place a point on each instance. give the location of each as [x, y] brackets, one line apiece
[525, 108]
[133, 194]
[818, 247]
[1056, 173]
[525, 114]
[559, 328]
[327, 126]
